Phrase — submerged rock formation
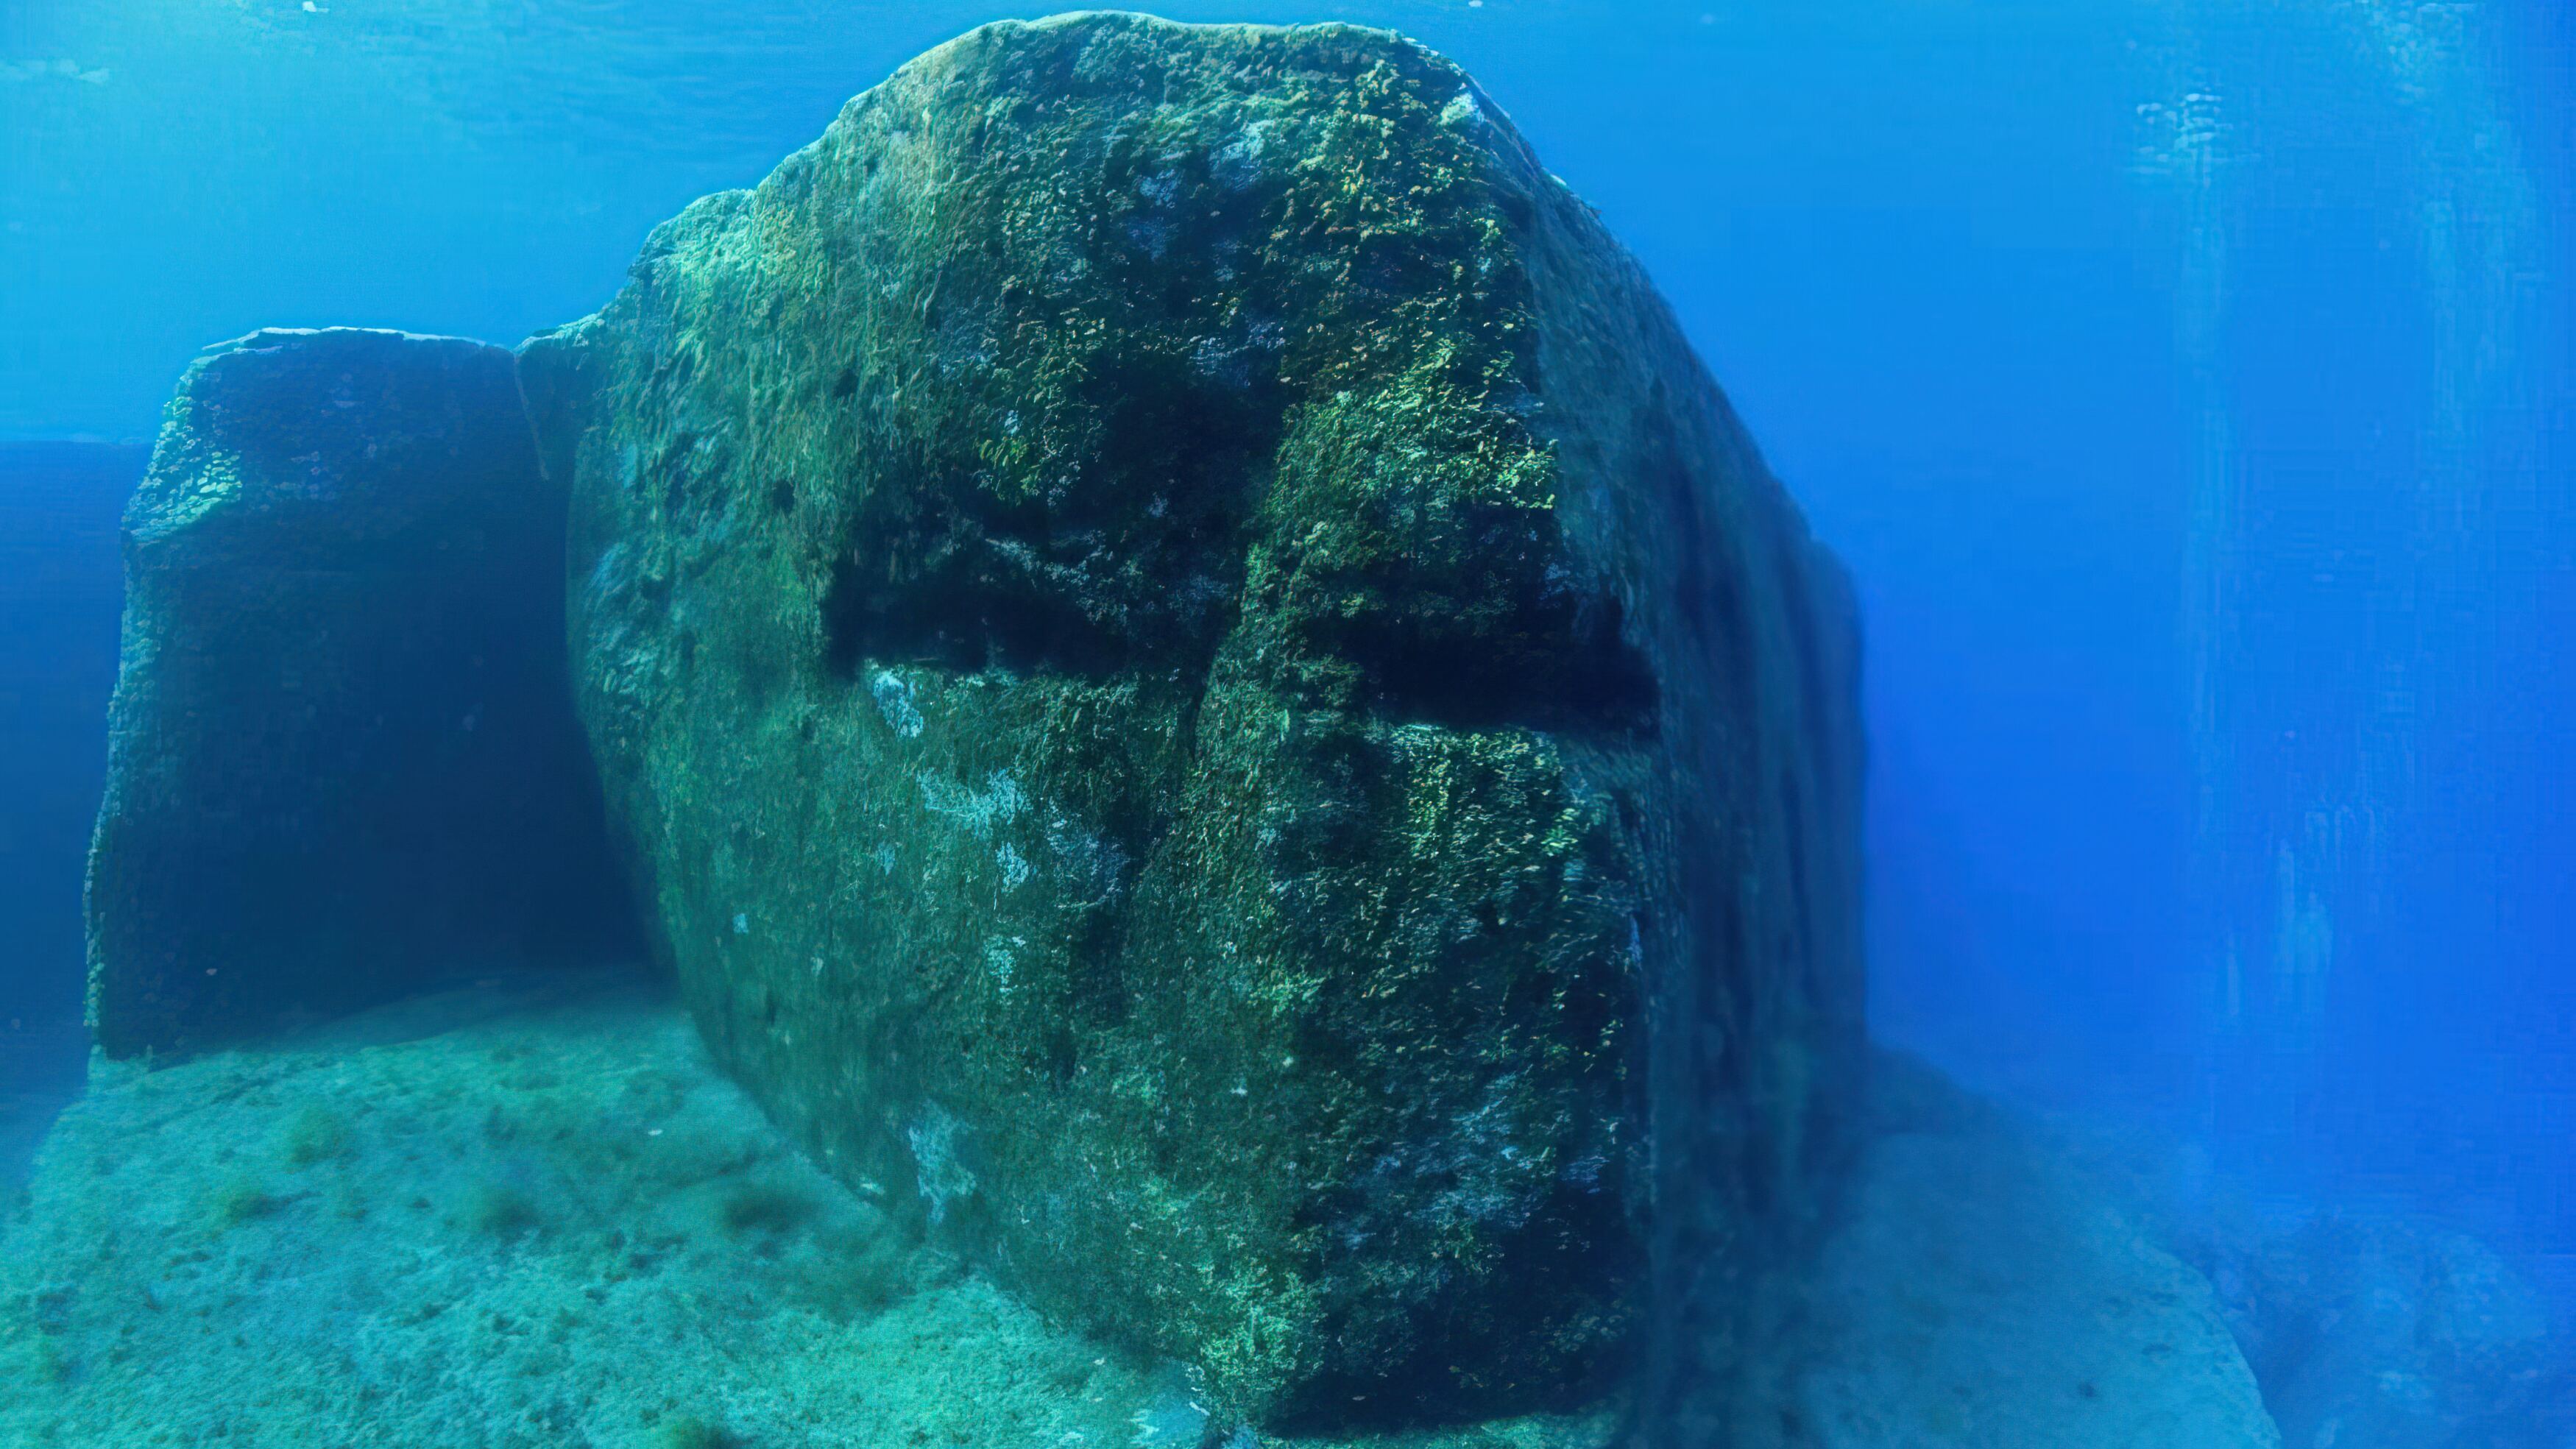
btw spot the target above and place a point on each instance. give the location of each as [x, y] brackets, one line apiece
[1208, 698]
[1983, 1290]
[343, 761]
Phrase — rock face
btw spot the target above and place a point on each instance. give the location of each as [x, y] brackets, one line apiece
[343, 762]
[1208, 697]
[2374, 1332]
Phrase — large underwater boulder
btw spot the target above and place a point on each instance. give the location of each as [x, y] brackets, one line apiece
[1208, 697]
[343, 762]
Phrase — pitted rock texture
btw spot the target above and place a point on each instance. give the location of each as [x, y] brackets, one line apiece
[1207, 697]
[343, 762]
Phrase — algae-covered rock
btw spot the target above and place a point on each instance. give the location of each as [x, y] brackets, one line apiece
[343, 761]
[1206, 693]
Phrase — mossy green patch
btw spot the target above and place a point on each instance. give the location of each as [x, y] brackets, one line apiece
[498, 1210]
[241, 1198]
[316, 1134]
[765, 1207]
[689, 1431]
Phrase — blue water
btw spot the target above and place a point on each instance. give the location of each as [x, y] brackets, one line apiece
[2188, 386]
[59, 588]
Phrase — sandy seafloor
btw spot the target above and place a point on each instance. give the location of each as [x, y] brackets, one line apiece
[533, 1214]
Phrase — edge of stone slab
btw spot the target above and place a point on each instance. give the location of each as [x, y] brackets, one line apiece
[283, 334]
[152, 512]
